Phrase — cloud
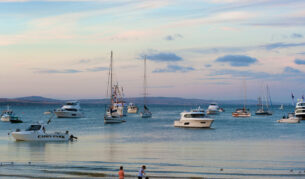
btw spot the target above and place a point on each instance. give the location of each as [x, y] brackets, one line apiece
[161, 56]
[288, 72]
[299, 62]
[296, 35]
[56, 71]
[282, 45]
[174, 68]
[237, 60]
[173, 37]
[84, 61]
[208, 65]
[291, 70]
[96, 69]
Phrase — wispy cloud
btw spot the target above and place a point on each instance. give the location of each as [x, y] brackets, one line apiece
[161, 56]
[237, 60]
[173, 37]
[299, 62]
[174, 68]
[208, 65]
[282, 45]
[96, 69]
[296, 35]
[52, 71]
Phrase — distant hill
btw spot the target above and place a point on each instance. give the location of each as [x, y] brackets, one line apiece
[136, 100]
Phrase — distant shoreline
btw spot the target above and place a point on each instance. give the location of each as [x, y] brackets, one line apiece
[136, 100]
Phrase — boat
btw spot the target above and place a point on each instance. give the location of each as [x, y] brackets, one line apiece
[146, 112]
[193, 119]
[291, 118]
[281, 107]
[8, 115]
[112, 114]
[132, 108]
[242, 112]
[300, 109]
[118, 103]
[261, 110]
[15, 119]
[37, 132]
[213, 109]
[71, 109]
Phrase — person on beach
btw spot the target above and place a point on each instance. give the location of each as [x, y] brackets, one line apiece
[142, 172]
[121, 173]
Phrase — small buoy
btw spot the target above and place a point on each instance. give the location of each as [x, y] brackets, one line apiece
[291, 170]
[221, 169]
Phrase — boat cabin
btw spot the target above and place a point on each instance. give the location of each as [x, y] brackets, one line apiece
[34, 127]
[193, 115]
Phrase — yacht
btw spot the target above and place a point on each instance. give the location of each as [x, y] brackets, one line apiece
[37, 132]
[71, 109]
[132, 108]
[261, 111]
[291, 118]
[194, 119]
[115, 111]
[146, 112]
[300, 109]
[241, 113]
[213, 109]
[8, 115]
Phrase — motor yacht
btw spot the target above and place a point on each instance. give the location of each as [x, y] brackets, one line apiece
[300, 109]
[71, 109]
[194, 119]
[37, 132]
[213, 109]
[8, 115]
[241, 113]
[132, 108]
[291, 118]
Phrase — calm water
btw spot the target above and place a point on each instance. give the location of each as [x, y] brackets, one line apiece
[256, 147]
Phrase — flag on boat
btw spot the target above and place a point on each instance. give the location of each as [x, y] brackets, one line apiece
[292, 96]
[303, 97]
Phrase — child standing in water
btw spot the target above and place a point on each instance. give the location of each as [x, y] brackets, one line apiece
[121, 173]
[142, 172]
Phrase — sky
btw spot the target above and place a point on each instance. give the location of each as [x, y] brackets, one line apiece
[204, 49]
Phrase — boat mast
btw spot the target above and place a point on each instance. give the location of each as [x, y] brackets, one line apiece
[245, 94]
[145, 83]
[111, 66]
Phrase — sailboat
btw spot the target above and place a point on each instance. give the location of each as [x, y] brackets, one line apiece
[261, 110]
[112, 115]
[145, 113]
[243, 112]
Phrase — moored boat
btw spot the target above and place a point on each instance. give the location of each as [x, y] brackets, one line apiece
[300, 109]
[291, 118]
[193, 119]
[71, 109]
[37, 132]
[132, 108]
[213, 109]
[241, 113]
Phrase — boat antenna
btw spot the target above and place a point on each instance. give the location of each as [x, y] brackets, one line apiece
[145, 83]
[245, 93]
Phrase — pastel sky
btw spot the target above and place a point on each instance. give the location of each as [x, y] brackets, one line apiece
[195, 49]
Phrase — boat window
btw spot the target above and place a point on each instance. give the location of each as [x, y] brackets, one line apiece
[71, 109]
[194, 115]
[70, 103]
[33, 128]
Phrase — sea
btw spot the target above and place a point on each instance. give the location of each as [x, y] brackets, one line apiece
[254, 147]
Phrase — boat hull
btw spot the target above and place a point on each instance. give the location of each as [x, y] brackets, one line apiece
[132, 111]
[289, 120]
[68, 114]
[205, 123]
[113, 120]
[212, 112]
[145, 114]
[266, 113]
[301, 116]
[36, 136]
[241, 114]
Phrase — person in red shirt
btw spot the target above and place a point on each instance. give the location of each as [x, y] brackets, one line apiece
[121, 173]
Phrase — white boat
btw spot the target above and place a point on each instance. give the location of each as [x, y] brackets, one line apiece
[37, 132]
[291, 118]
[194, 119]
[132, 108]
[213, 109]
[300, 109]
[7, 115]
[145, 113]
[113, 114]
[281, 107]
[71, 109]
[242, 112]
